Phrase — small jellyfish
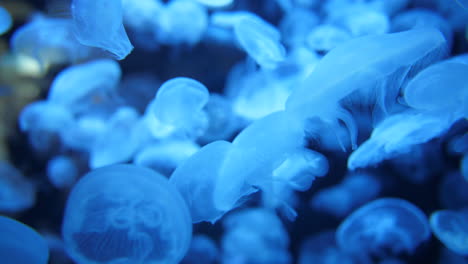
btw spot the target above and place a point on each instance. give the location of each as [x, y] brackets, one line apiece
[126, 214]
[100, 24]
[321, 248]
[255, 235]
[179, 104]
[296, 24]
[451, 228]
[341, 199]
[20, 244]
[386, 225]
[5, 20]
[222, 122]
[16, 192]
[80, 86]
[45, 116]
[203, 249]
[260, 40]
[397, 134]
[62, 171]
[181, 22]
[83, 133]
[50, 41]
[361, 20]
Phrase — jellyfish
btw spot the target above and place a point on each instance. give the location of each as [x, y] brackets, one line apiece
[254, 235]
[62, 171]
[321, 248]
[384, 226]
[296, 24]
[100, 24]
[50, 41]
[203, 249]
[178, 105]
[355, 190]
[451, 228]
[371, 75]
[21, 244]
[17, 193]
[126, 214]
[81, 86]
[424, 92]
[5, 20]
[397, 134]
[260, 40]
[181, 22]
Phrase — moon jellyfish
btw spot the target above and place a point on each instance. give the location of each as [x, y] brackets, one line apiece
[397, 134]
[451, 228]
[20, 244]
[100, 24]
[439, 87]
[255, 235]
[126, 214]
[80, 86]
[179, 105]
[260, 40]
[16, 192]
[215, 3]
[325, 37]
[5, 20]
[341, 199]
[62, 171]
[386, 225]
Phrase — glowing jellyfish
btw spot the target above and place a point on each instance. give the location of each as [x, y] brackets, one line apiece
[203, 249]
[62, 171]
[384, 225]
[260, 40]
[126, 214]
[321, 248]
[20, 244]
[100, 24]
[451, 228]
[5, 20]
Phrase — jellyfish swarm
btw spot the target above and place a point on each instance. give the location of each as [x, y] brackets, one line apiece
[384, 226]
[451, 228]
[126, 214]
[20, 244]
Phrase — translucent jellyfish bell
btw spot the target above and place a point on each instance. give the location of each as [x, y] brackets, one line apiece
[179, 103]
[100, 24]
[20, 244]
[451, 228]
[389, 225]
[260, 40]
[80, 85]
[126, 214]
[5, 20]
[203, 249]
[321, 248]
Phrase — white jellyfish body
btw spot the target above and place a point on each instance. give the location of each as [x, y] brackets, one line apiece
[126, 214]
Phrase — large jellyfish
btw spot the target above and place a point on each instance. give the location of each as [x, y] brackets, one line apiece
[451, 228]
[126, 214]
[386, 225]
